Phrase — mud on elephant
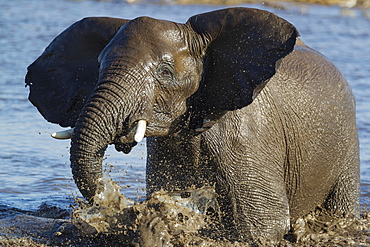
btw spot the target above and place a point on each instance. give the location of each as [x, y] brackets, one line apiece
[232, 98]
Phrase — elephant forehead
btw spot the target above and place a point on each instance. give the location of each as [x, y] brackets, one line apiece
[146, 26]
[172, 35]
[159, 35]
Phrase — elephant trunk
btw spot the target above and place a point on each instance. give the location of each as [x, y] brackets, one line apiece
[92, 133]
[102, 121]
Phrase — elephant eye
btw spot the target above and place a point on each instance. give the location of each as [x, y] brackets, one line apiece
[165, 73]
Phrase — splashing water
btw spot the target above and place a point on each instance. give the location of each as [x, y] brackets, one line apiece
[165, 218]
[180, 218]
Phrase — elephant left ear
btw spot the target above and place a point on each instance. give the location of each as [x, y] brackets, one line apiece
[65, 74]
[240, 47]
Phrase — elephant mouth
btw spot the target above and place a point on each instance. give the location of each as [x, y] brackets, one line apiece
[142, 129]
[127, 142]
[136, 133]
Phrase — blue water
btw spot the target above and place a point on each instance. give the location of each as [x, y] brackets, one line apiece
[34, 168]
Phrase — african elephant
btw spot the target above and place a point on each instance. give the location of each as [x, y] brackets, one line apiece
[232, 98]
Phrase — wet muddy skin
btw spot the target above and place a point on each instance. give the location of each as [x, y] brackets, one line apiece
[183, 218]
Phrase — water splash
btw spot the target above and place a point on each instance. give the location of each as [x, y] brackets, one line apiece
[180, 218]
[159, 221]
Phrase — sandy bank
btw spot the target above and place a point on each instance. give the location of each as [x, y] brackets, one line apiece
[342, 3]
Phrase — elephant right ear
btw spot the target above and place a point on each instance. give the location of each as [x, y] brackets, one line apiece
[65, 74]
[240, 48]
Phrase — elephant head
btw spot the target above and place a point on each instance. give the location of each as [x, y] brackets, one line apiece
[104, 75]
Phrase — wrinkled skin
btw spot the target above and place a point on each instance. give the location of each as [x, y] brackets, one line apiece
[232, 98]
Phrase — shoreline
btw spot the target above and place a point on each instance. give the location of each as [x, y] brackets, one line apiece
[364, 4]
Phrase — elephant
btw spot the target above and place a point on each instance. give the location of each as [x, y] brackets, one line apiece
[232, 98]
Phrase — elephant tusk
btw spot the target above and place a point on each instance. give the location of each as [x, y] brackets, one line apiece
[140, 131]
[65, 134]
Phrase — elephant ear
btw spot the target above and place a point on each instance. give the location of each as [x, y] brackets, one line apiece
[242, 46]
[65, 74]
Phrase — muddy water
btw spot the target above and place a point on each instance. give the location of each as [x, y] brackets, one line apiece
[36, 183]
[183, 218]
